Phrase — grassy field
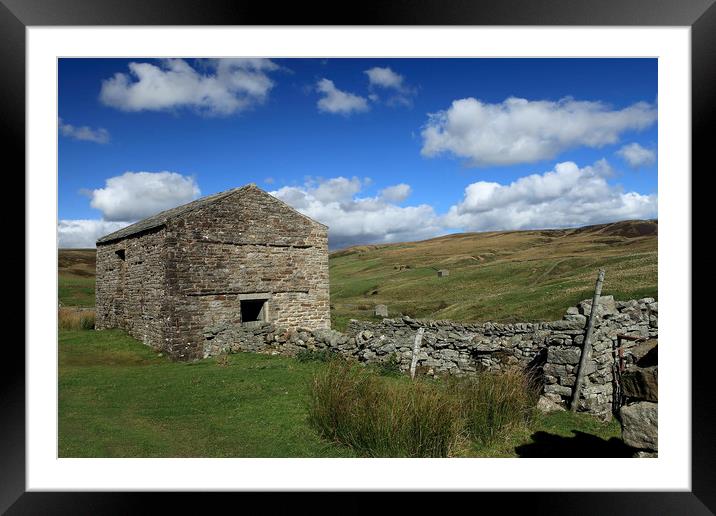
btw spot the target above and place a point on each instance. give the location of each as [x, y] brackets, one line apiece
[118, 398]
[76, 269]
[499, 276]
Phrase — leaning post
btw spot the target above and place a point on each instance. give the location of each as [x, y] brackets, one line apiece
[587, 347]
[416, 351]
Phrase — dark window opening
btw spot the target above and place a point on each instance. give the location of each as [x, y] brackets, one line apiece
[253, 310]
[120, 254]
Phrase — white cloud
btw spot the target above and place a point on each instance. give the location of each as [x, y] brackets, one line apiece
[83, 233]
[83, 133]
[356, 220]
[636, 155]
[388, 79]
[231, 86]
[564, 197]
[523, 131]
[136, 195]
[384, 77]
[396, 193]
[337, 101]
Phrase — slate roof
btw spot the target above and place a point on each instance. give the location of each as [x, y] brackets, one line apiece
[161, 218]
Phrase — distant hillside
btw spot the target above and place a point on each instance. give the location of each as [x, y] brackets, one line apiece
[499, 276]
[76, 268]
[77, 262]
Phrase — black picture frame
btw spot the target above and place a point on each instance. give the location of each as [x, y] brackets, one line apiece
[700, 15]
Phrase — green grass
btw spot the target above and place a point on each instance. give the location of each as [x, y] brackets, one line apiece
[76, 290]
[561, 428]
[118, 398]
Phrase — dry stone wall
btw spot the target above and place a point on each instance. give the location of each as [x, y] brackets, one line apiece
[639, 413]
[551, 350]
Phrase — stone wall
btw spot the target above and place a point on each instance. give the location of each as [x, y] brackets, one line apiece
[130, 292]
[639, 413]
[550, 350]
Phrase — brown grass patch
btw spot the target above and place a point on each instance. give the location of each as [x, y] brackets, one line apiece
[75, 319]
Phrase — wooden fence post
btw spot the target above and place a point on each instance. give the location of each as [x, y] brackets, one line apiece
[587, 346]
[416, 351]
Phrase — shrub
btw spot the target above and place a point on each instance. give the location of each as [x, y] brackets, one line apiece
[379, 417]
[75, 319]
[493, 403]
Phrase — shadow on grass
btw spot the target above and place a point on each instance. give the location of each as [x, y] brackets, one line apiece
[581, 445]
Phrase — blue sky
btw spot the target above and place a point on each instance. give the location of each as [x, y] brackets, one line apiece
[381, 150]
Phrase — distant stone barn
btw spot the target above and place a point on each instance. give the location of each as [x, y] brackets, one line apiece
[237, 257]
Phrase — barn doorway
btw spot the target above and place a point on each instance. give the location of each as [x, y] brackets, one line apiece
[253, 312]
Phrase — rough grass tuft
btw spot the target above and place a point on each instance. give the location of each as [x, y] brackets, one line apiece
[352, 405]
[494, 403]
[75, 319]
[386, 417]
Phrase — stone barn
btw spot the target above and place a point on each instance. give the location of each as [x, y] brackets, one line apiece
[239, 257]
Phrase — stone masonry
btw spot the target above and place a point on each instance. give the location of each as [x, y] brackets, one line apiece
[240, 257]
[551, 350]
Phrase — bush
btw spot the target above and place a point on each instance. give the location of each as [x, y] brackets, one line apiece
[378, 417]
[75, 319]
[383, 417]
[316, 355]
[493, 403]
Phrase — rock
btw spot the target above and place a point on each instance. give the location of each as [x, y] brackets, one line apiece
[563, 355]
[646, 353]
[546, 405]
[387, 348]
[565, 325]
[606, 306]
[640, 425]
[558, 389]
[641, 383]
[380, 311]
[488, 346]
[581, 319]
[553, 397]
[641, 454]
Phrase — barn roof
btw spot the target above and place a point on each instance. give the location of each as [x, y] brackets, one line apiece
[161, 218]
